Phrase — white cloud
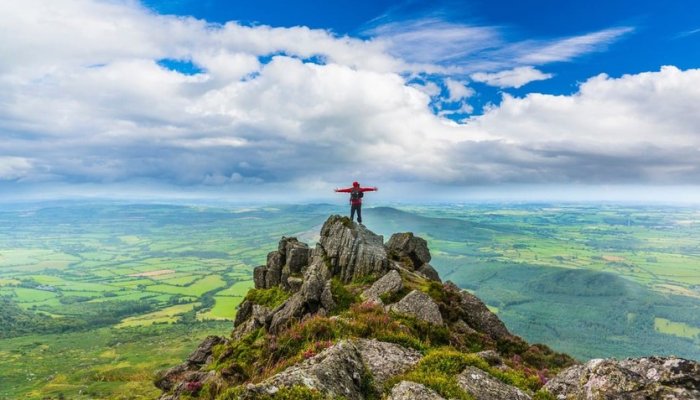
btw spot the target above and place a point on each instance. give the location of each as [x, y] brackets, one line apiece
[436, 45]
[515, 78]
[457, 90]
[13, 168]
[569, 48]
[84, 100]
[636, 128]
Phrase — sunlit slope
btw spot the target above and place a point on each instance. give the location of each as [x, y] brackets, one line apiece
[585, 280]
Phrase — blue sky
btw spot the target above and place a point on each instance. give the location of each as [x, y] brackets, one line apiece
[662, 33]
[251, 99]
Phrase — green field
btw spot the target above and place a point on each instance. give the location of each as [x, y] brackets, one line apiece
[118, 289]
[97, 297]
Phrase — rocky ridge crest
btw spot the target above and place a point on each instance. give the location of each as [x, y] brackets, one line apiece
[356, 318]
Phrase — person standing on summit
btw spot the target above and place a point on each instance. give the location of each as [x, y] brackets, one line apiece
[356, 195]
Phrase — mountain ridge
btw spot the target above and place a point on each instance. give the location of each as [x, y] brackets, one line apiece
[358, 318]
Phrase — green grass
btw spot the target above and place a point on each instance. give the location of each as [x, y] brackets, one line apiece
[198, 288]
[271, 298]
[224, 308]
[237, 289]
[505, 254]
[166, 315]
[680, 329]
[102, 363]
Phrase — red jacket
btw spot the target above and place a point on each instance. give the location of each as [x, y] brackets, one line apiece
[357, 201]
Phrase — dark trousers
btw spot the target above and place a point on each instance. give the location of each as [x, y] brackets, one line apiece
[358, 208]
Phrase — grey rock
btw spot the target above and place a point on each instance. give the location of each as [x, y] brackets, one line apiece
[295, 257]
[294, 283]
[273, 274]
[351, 250]
[336, 371]
[200, 355]
[485, 387]
[491, 357]
[259, 276]
[640, 378]
[306, 301]
[175, 377]
[429, 272]
[389, 283]
[385, 360]
[243, 312]
[406, 245]
[419, 305]
[327, 301]
[406, 390]
[314, 281]
[292, 309]
[477, 315]
[258, 317]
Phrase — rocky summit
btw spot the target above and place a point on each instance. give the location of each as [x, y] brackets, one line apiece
[359, 318]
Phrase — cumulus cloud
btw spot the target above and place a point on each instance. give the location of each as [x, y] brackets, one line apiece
[515, 78]
[636, 128]
[85, 100]
[457, 90]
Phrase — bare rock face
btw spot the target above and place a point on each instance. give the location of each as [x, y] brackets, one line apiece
[429, 272]
[250, 317]
[419, 305]
[290, 260]
[308, 300]
[406, 390]
[177, 378]
[385, 360]
[296, 257]
[336, 371]
[389, 283]
[351, 250]
[639, 378]
[406, 245]
[485, 387]
[475, 313]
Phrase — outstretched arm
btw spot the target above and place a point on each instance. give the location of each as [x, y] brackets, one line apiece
[346, 190]
[369, 189]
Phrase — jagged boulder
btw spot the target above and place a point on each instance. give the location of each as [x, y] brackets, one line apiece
[483, 386]
[176, 378]
[408, 246]
[351, 250]
[250, 316]
[429, 272]
[640, 378]
[336, 371]
[385, 360]
[419, 305]
[289, 260]
[296, 257]
[389, 283]
[407, 390]
[308, 300]
[475, 313]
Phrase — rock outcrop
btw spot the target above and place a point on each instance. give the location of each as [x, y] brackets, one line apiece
[351, 251]
[407, 390]
[317, 326]
[386, 360]
[642, 378]
[483, 386]
[419, 305]
[337, 371]
[388, 284]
